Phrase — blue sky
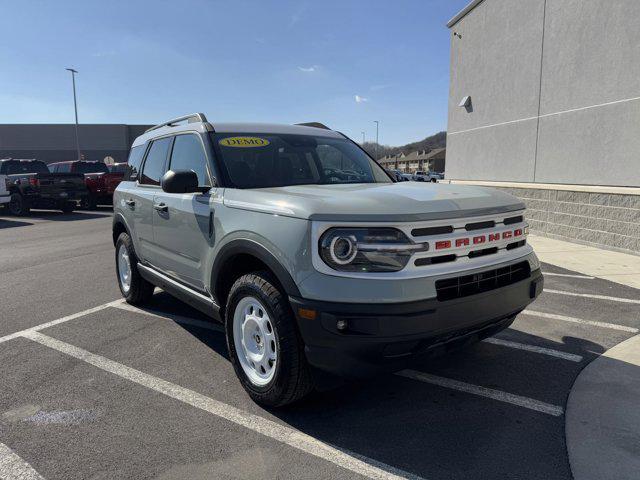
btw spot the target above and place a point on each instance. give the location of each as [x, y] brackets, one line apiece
[345, 63]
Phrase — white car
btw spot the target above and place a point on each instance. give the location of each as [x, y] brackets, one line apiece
[5, 197]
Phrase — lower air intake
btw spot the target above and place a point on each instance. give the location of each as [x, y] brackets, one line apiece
[466, 285]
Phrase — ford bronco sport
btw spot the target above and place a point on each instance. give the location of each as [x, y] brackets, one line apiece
[314, 259]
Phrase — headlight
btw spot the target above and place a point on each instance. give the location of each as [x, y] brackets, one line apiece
[367, 249]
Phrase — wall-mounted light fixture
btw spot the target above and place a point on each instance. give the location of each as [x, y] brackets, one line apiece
[465, 102]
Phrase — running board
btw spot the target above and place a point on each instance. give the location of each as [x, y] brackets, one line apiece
[197, 300]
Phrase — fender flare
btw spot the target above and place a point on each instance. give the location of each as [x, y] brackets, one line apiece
[118, 218]
[251, 247]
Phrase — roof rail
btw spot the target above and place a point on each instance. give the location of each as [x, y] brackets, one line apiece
[314, 124]
[192, 118]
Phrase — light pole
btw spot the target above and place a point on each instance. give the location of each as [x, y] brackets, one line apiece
[362, 138]
[377, 124]
[75, 106]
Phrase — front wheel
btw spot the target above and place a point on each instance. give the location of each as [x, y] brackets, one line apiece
[264, 345]
[135, 289]
[433, 180]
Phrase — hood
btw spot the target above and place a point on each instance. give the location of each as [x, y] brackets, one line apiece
[378, 202]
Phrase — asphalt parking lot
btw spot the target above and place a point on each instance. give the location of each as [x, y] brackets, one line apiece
[94, 388]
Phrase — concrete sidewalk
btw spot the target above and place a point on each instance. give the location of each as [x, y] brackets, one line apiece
[603, 416]
[603, 411]
[613, 266]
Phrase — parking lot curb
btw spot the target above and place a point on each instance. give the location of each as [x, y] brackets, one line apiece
[603, 418]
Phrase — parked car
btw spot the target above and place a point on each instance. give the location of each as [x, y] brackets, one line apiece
[422, 176]
[398, 175]
[32, 185]
[100, 181]
[5, 196]
[309, 272]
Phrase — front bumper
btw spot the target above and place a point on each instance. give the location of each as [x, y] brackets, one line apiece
[388, 337]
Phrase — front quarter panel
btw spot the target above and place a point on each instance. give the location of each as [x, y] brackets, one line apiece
[285, 238]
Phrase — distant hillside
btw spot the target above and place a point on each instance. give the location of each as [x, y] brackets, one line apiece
[439, 140]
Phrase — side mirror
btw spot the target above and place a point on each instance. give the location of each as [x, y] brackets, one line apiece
[181, 181]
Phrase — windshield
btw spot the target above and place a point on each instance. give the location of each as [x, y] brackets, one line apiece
[279, 160]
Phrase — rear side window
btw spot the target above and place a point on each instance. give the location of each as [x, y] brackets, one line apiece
[120, 167]
[153, 168]
[91, 167]
[188, 154]
[135, 161]
[15, 168]
[64, 168]
[39, 167]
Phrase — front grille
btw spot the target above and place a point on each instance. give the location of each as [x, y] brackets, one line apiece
[466, 285]
[421, 262]
[512, 220]
[479, 225]
[519, 244]
[423, 232]
[483, 252]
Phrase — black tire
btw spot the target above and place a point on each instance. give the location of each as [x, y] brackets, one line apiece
[140, 291]
[67, 207]
[89, 203]
[19, 206]
[292, 378]
[433, 180]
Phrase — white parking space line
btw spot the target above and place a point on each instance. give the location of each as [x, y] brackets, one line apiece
[52, 323]
[567, 275]
[289, 436]
[598, 297]
[499, 395]
[12, 467]
[212, 325]
[593, 323]
[534, 348]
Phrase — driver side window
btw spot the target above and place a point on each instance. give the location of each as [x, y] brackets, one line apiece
[188, 154]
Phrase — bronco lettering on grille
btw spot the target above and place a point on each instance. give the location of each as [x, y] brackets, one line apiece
[478, 239]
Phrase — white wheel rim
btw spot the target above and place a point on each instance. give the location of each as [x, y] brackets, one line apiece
[124, 268]
[255, 340]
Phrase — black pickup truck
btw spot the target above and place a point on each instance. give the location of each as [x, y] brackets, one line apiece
[31, 185]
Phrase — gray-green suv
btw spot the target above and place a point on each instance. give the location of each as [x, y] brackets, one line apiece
[314, 259]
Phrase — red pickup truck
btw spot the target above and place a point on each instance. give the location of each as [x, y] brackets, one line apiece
[99, 179]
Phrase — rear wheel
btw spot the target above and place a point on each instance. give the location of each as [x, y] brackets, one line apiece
[19, 205]
[67, 207]
[264, 345]
[89, 202]
[135, 289]
[433, 180]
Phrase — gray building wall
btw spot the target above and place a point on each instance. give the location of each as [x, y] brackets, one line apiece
[555, 89]
[57, 142]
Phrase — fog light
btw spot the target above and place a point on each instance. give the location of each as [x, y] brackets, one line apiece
[342, 325]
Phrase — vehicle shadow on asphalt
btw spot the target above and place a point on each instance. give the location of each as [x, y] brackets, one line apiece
[57, 216]
[437, 432]
[10, 223]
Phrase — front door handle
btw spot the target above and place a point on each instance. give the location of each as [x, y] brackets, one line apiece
[161, 207]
